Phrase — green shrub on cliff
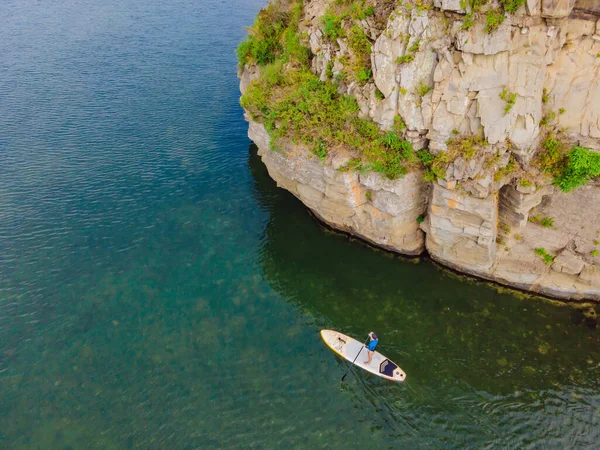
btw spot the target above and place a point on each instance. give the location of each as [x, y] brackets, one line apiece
[332, 25]
[469, 21]
[435, 166]
[509, 98]
[511, 6]
[525, 182]
[423, 88]
[510, 167]
[268, 37]
[341, 21]
[409, 57]
[551, 160]
[569, 169]
[477, 4]
[466, 147]
[581, 166]
[547, 222]
[358, 41]
[300, 107]
[546, 257]
[360, 61]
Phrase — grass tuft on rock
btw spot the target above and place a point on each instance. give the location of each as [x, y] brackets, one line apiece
[547, 222]
[493, 19]
[546, 257]
[510, 99]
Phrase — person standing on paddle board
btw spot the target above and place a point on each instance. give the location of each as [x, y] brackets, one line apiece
[371, 346]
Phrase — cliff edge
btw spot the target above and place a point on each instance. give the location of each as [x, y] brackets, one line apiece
[467, 128]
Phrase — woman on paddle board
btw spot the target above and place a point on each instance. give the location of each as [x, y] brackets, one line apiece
[371, 346]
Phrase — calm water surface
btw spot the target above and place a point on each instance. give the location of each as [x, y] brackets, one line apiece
[158, 291]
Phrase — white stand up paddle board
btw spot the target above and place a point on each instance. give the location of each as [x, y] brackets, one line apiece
[348, 348]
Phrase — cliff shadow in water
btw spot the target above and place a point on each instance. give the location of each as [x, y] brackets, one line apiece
[464, 329]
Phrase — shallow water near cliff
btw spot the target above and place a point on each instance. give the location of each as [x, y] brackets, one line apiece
[157, 290]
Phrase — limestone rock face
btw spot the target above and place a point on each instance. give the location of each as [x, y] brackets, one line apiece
[570, 240]
[557, 8]
[369, 206]
[445, 80]
[461, 229]
[247, 76]
[568, 262]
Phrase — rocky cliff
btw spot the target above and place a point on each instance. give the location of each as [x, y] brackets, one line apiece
[499, 101]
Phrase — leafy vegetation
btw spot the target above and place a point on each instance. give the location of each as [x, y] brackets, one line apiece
[546, 257]
[509, 98]
[358, 41]
[547, 118]
[525, 182]
[358, 64]
[273, 33]
[545, 96]
[594, 253]
[364, 75]
[423, 89]
[581, 166]
[409, 57]
[421, 218]
[505, 228]
[467, 147]
[435, 168]
[436, 165]
[493, 18]
[320, 149]
[477, 4]
[551, 160]
[569, 169]
[298, 106]
[547, 222]
[468, 22]
[511, 6]
[329, 70]
[415, 46]
[510, 167]
[360, 11]
[332, 26]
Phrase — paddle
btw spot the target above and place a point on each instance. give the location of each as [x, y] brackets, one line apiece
[363, 346]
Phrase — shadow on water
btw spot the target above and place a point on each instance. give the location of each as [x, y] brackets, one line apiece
[488, 362]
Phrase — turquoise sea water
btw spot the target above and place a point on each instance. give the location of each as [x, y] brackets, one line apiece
[158, 291]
